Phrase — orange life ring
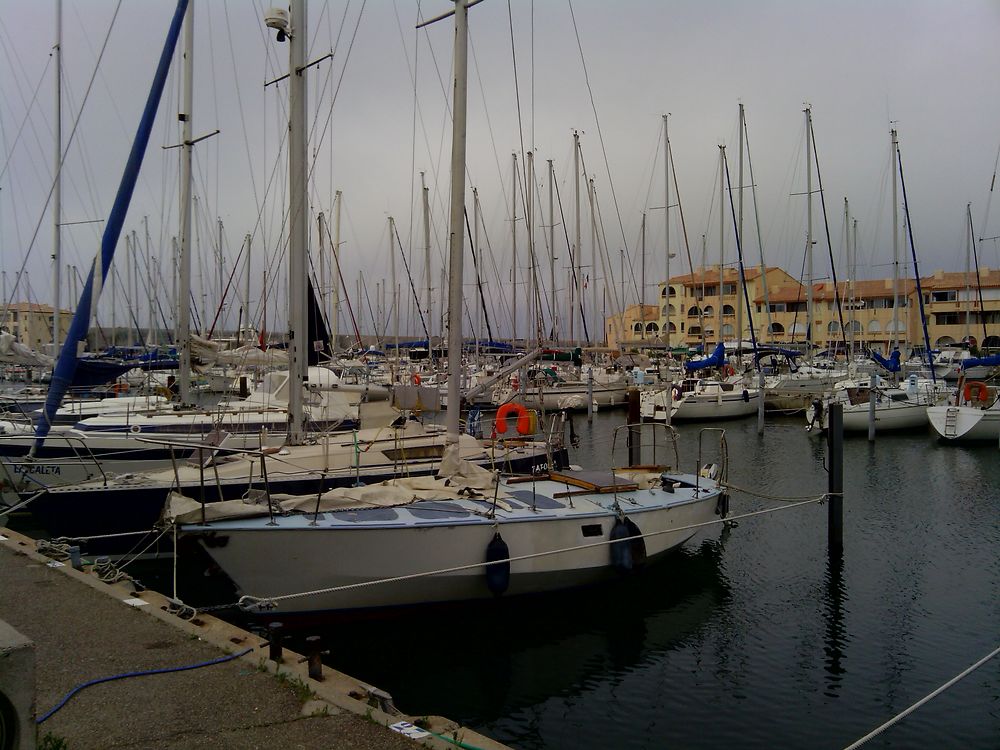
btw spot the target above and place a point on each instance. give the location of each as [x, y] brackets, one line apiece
[728, 371]
[524, 426]
[982, 392]
[416, 378]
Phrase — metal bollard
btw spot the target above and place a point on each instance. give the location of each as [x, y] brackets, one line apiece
[274, 638]
[313, 653]
[74, 558]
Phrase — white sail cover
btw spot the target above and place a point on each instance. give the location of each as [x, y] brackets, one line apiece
[13, 351]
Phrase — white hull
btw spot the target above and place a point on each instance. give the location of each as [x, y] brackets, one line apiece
[965, 423]
[295, 556]
[887, 417]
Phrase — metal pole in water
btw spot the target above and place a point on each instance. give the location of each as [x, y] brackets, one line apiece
[760, 403]
[634, 433]
[871, 415]
[590, 395]
[835, 444]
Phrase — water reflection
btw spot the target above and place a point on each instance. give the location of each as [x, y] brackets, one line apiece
[508, 654]
[835, 631]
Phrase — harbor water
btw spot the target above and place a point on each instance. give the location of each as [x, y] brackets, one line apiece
[749, 636]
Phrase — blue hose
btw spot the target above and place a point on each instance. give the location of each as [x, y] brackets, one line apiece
[122, 676]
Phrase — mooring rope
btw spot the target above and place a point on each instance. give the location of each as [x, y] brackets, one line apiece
[902, 715]
[247, 600]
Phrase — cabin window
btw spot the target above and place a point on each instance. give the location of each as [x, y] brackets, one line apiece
[592, 529]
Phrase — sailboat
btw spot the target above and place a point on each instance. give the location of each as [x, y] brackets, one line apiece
[305, 462]
[466, 534]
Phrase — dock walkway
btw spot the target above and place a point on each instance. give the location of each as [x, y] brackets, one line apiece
[84, 629]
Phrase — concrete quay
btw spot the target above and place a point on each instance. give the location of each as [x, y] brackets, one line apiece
[84, 629]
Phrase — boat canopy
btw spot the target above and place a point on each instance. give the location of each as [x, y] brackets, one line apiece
[991, 361]
[891, 364]
[716, 359]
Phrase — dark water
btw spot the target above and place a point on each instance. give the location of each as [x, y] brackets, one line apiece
[747, 637]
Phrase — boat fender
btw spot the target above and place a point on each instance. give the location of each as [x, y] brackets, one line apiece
[628, 549]
[746, 396]
[134, 429]
[722, 505]
[497, 575]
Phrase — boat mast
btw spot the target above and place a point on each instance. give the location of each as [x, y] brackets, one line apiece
[425, 192]
[739, 243]
[895, 244]
[184, 283]
[552, 252]
[335, 273]
[57, 190]
[809, 234]
[642, 292]
[850, 279]
[666, 231]
[968, 273]
[576, 284]
[479, 265]
[298, 218]
[394, 297]
[513, 240]
[722, 231]
[457, 233]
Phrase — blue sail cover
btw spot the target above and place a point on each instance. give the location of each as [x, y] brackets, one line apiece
[65, 368]
[892, 364]
[991, 361]
[716, 359]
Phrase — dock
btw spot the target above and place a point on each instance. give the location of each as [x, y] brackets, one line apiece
[84, 629]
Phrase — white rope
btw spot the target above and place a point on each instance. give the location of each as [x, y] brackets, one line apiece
[103, 536]
[898, 717]
[248, 599]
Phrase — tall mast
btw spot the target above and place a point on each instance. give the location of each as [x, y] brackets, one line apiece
[850, 280]
[57, 192]
[552, 254]
[335, 272]
[895, 243]
[666, 230]
[722, 232]
[425, 192]
[594, 317]
[392, 297]
[246, 290]
[809, 233]
[479, 265]
[298, 209]
[576, 284]
[739, 235]
[457, 233]
[321, 251]
[529, 226]
[183, 300]
[150, 338]
[968, 273]
[642, 277]
[513, 240]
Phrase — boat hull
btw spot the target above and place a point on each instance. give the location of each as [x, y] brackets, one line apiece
[960, 424]
[291, 556]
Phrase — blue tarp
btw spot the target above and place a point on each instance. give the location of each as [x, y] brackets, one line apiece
[992, 361]
[892, 364]
[716, 359]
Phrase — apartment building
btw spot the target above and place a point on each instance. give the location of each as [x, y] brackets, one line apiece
[31, 323]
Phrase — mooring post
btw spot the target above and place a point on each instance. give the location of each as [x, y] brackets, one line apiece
[314, 656]
[634, 432]
[274, 638]
[835, 459]
[590, 394]
[871, 415]
[760, 403]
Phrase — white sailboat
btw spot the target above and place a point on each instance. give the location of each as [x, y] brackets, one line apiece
[405, 542]
[975, 415]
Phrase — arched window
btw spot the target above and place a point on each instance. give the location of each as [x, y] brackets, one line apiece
[873, 327]
[944, 341]
[652, 328]
[673, 292]
[834, 327]
[777, 328]
[897, 327]
[673, 328]
[709, 311]
[693, 311]
[856, 327]
[663, 292]
[637, 328]
[728, 310]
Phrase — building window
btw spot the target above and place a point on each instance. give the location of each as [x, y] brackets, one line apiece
[693, 311]
[949, 295]
[729, 290]
[776, 307]
[728, 311]
[777, 328]
[727, 330]
[834, 327]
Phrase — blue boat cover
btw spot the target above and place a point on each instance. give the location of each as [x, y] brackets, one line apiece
[716, 359]
[991, 361]
[892, 364]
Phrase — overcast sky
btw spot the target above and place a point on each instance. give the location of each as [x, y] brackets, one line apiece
[928, 67]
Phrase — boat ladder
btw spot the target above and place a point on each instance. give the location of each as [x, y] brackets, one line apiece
[951, 422]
